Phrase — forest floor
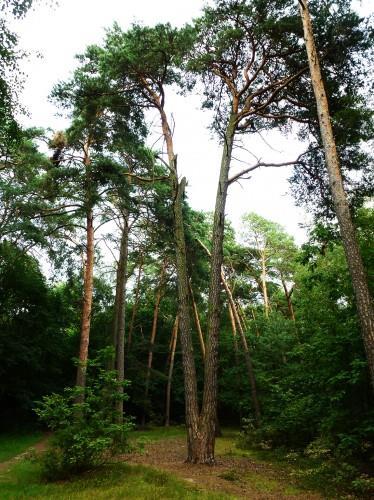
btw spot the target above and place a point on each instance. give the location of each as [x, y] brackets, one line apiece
[156, 470]
[235, 473]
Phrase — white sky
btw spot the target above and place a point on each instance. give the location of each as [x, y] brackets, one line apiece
[60, 32]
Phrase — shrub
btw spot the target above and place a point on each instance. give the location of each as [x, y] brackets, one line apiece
[86, 434]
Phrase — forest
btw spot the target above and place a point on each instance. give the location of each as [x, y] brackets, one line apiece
[152, 350]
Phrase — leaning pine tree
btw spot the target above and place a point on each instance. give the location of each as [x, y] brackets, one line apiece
[143, 62]
[347, 229]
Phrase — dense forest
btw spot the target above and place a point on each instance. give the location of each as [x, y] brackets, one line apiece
[122, 306]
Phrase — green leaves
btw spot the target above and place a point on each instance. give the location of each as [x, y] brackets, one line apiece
[85, 434]
[143, 60]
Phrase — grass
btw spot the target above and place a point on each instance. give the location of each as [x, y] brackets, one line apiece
[152, 434]
[294, 473]
[302, 472]
[274, 472]
[112, 481]
[263, 481]
[272, 479]
[138, 439]
[14, 444]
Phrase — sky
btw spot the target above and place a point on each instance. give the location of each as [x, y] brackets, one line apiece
[53, 35]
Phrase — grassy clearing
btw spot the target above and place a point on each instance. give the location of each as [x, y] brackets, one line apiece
[152, 434]
[112, 481]
[138, 439]
[14, 444]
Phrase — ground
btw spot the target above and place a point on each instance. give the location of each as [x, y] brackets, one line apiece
[236, 476]
[156, 470]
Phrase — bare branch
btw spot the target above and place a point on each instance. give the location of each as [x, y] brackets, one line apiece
[261, 164]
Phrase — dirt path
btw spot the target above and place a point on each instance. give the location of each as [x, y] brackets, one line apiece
[38, 447]
[236, 476]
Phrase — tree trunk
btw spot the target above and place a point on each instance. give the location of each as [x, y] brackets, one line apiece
[197, 322]
[188, 362]
[136, 302]
[247, 354]
[209, 407]
[347, 230]
[287, 294]
[263, 284]
[241, 314]
[233, 328]
[87, 283]
[174, 337]
[112, 361]
[153, 333]
[218, 431]
[120, 311]
[87, 306]
[236, 353]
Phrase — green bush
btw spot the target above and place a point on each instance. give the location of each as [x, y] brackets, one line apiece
[86, 434]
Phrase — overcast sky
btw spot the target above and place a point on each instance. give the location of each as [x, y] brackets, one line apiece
[59, 33]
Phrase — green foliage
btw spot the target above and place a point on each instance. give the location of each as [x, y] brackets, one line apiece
[146, 55]
[312, 374]
[10, 76]
[85, 434]
[344, 42]
[31, 335]
[26, 192]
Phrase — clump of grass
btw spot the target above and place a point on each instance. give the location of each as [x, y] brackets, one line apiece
[230, 475]
[14, 444]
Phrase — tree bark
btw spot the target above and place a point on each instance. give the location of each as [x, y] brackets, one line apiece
[174, 337]
[197, 322]
[120, 311]
[87, 282]
[241, 315]
[209, 407]
[263, 283]
[247, 354]
[112, 361]
[233, 328]
[347, 230]
[218, 431]
[153, 333]
[136, 302]
[287, 294]
[188, 362]
[236, 352]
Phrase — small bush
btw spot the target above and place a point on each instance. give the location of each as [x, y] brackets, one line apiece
[364, 486]
[85, 434]
[253, 437]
